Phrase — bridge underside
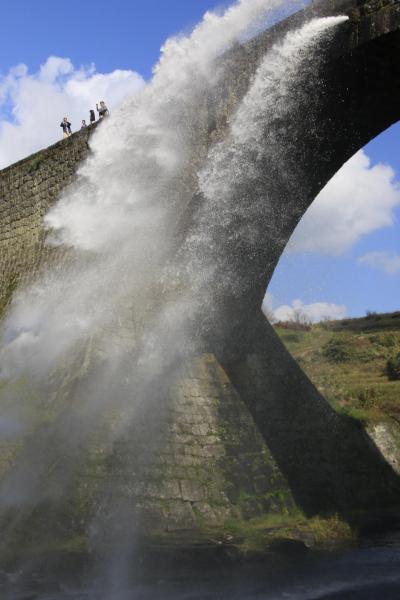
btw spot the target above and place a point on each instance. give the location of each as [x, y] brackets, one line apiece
[357, 98]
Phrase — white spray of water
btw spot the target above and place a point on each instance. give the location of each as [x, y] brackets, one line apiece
[119, 220]
[240, 177]
[119, 216]
[252, 134]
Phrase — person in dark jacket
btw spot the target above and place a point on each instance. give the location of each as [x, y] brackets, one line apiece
[66, 127]
[92, 116]
[83, 124]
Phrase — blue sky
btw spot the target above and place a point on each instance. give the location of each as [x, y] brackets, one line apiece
[344, 279]
[123, 39]
[123, 34]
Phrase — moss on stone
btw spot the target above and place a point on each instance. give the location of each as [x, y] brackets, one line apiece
[19, 549]
[36, 161]
[7, 291]
[256, 535]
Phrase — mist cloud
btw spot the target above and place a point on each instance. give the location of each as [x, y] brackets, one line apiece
[117, 215]
[33, 105]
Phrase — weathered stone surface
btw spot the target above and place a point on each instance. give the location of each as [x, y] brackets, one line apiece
[386, 436]
[152, 480]
[27, 190]
[218, 465]
[207, 458]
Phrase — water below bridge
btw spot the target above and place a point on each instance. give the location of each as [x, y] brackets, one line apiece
[367, 572]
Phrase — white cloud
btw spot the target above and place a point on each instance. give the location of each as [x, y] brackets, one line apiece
[55, 67]
[37, 102]
[315, 312]
[389, 263]
[267, 305]
[300, 312]
[358, 200]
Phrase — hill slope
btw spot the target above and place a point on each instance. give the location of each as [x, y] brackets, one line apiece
[347, 361]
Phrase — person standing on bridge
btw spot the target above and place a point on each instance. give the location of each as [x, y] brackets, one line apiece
[66, 127]
[103, 110]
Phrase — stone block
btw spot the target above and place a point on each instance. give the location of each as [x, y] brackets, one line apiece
[192, 490]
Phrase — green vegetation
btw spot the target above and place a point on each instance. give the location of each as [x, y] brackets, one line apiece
[8, 290]
[35, 162]
[36, 549]
[338, 350]
[371, 322]
[355, 363]
[256, 535]
[393, 367]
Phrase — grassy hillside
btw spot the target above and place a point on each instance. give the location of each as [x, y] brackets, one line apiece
[348, 362]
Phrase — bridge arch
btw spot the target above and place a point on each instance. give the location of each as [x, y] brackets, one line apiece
[357, 99]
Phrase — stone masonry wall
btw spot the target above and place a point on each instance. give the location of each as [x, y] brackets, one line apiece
[195, 463]
[27, 190]
[200, 461]
[191, 465]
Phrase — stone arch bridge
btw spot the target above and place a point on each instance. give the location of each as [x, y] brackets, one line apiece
[328, 460]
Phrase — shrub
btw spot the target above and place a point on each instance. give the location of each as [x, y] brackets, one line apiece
[387, 340]
[338, 350]
[371, 314]
[35, 162]
[293, 338]
[366, 397]
[294, 325]
[393, 367]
